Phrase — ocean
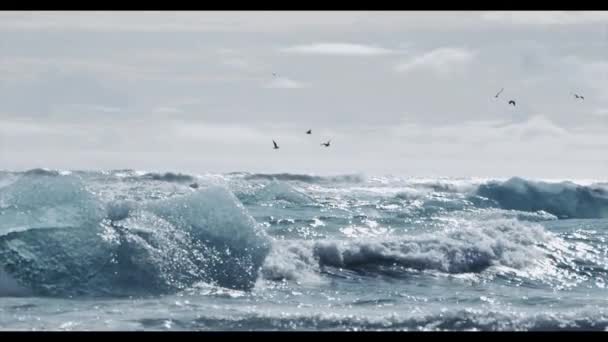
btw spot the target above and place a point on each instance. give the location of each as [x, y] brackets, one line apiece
[133, 250]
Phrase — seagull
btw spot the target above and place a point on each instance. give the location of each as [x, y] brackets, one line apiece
[512, 102]
[276, 147]
[579, 96]
[309, 131]
[327, 143]
[274, 74]
[496, 96]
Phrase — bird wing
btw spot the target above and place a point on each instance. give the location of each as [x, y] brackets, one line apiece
[275, 144]
[499, 92]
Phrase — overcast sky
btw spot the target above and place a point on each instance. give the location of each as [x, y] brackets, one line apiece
[402, 93]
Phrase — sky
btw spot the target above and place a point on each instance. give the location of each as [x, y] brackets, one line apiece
[398, 93]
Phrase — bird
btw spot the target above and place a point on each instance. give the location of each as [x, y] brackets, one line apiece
[579, 96]
[276, 147]
[512, 102]
[309, 131]
[274, 74]
[496, 96]
[326, 144]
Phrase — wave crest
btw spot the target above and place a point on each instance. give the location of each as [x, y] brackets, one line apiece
[487, 248]
[564, 200]
[35, 201]
[128, 249]
[276, 191]
[169, 177]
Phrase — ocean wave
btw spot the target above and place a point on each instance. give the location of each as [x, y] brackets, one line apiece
[38, 200]
[41, 172]
[586, 319]
[492, 247]
[275, 191]
[168, 177]
[564, 200]
[56, 239]
[10, 287]
[462, 250]
[305, 178]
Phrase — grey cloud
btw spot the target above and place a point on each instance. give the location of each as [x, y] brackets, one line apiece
[153, 84]
[338, 49]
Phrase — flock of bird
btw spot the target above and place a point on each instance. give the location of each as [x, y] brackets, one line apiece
[326, 144]
[511, 102]
[276, 146]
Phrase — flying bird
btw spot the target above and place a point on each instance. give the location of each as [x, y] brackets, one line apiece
[276, 147]
[309, 131]
[496, 96]
[274, 74]
[579, 96]
[512, 102]
[326, 144]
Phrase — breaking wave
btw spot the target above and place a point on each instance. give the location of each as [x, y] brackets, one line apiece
[57, 239]
[564, 200]
[491, 247]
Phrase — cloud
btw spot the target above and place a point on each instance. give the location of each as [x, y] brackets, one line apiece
[137, 67]
[284, 83]
[590, 73]
[441, 60]
[536, 127]
[237, 63]
[63, 93]
[600, 112]
[235, 21]
[338, 49]
[226, 134]
[167, 110]
[478, 133]
[546, 18]
[245, 66]
[184, 21]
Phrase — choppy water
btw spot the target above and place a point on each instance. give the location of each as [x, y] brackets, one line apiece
[128, 250]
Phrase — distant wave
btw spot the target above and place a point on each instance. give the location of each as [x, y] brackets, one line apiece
[41, 172]
[169, 177]
[564, 200]
[275, 191]
[306, 178]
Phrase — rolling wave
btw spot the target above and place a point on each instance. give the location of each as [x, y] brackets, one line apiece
[564, 200]
[57, 239]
